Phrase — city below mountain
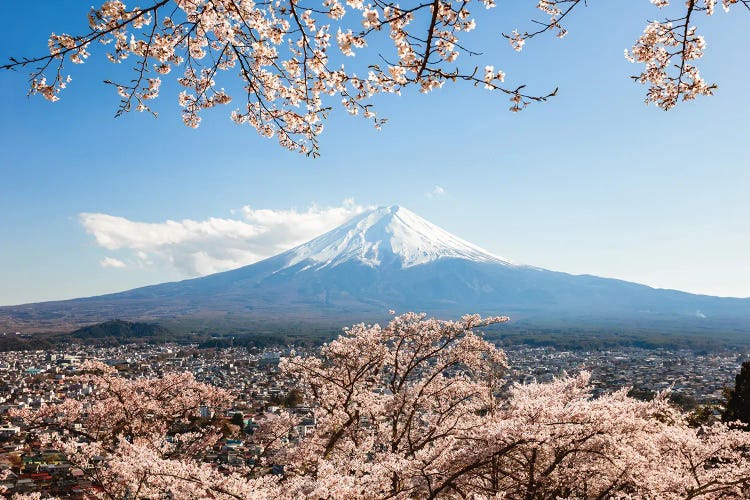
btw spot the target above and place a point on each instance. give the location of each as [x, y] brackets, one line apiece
[391, 259]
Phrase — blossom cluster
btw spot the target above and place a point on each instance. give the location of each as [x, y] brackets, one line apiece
[667, 49]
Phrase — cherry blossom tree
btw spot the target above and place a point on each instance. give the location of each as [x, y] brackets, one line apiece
[290, 78]
[397, 404]
[418, 408]
[141, 438]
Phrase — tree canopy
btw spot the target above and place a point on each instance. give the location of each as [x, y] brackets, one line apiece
[412, 409]
[290, 77]
[738, 399]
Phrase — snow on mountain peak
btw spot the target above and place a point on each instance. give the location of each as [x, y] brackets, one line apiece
[387, 235]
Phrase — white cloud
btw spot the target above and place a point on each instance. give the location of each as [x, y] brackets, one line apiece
[437, 192]
[198, 248]
[111, 262]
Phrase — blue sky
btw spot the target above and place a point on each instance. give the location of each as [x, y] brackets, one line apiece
[593, 181]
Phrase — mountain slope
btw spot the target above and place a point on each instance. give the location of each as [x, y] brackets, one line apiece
[390, 258]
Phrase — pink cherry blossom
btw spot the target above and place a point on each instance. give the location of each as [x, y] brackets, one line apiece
[418, 408]
[288, 56]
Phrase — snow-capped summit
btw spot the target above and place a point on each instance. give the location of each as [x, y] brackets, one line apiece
[387, 235]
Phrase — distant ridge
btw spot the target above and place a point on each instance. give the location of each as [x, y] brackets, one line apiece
[119, 330]
[390, 258]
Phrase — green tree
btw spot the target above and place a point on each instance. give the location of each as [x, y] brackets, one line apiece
[702, 415]
[738, 399]
[293, 398]
[238, 419]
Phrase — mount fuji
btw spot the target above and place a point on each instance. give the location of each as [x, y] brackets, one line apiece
[390, 258]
